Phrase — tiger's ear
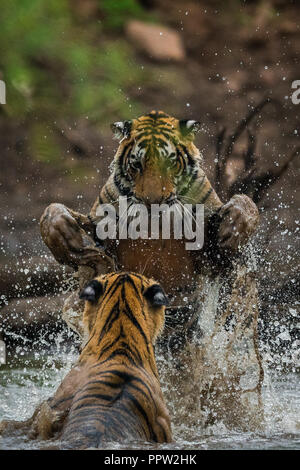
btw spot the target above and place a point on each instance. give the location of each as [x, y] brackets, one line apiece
[156, 296]
[121, 128]
[188, 126]
[92, 291]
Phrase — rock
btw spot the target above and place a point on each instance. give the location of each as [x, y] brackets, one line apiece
[157, 42]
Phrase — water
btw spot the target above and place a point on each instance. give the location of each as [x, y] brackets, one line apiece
[30, 378]
[228, 352]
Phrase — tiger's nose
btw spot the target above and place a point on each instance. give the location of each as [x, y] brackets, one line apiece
[153, 199]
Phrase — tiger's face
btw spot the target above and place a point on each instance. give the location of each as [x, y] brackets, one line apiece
[156, 160]
[112, 298]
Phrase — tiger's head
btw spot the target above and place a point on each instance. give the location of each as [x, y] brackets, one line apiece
[156, 161]
[123, 302]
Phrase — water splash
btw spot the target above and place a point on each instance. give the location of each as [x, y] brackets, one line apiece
[215, 392]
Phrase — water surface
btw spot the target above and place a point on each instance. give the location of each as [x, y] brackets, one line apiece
[30, 378]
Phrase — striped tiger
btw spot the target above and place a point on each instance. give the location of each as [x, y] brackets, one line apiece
[157, 161]
[113, 392]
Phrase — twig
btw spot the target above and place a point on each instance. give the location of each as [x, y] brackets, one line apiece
[242, 126]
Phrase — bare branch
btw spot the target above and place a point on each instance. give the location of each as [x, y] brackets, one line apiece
[256, 186]
[249, 156]
[219, 162]
[242, 126]
[246, 182]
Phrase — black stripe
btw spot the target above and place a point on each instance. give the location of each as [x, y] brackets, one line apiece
[113, 315]
[109, 196]
[118, 352]
[132, 318]
[99, 396]
[143, 413]
[101, 382]
[59, 402]
[124, 191]
[189, 157]
[206, 196]
[106, 348]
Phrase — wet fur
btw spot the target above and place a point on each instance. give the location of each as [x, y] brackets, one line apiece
[113, 392]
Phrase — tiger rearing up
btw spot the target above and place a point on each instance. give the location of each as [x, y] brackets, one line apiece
[113, 392]
[156, 162]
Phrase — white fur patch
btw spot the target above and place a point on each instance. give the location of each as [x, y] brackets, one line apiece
[190, 123]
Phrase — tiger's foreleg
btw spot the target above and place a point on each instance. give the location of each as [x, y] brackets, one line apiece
[69, 236]
[47, 421]
[49, 417]
[239, 220]
[43, 423]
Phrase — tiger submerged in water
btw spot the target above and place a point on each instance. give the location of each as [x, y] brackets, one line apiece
[158, 162]
[113, 392]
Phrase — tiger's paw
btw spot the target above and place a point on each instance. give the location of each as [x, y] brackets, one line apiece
[9, 427]
[239, 220]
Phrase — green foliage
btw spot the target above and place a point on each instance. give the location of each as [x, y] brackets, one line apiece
[30, 32]
[101, 81]
[56, 65]
[118, 11]
[44, 144]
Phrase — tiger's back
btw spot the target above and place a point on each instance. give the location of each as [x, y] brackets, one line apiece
[117, 404]
[119, 395]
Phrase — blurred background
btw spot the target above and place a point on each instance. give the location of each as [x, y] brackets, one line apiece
[72, 67]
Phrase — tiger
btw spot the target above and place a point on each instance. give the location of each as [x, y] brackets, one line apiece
[157, 161]
[113, 393]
